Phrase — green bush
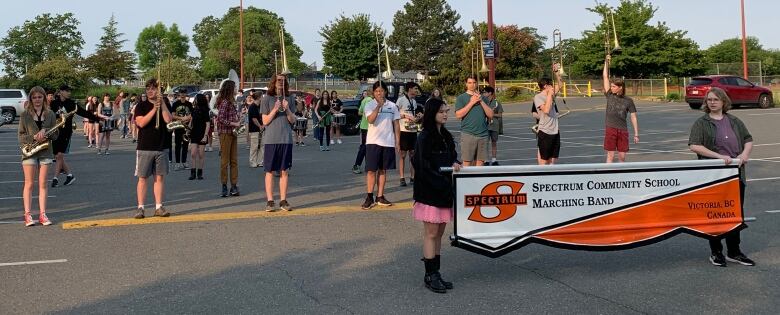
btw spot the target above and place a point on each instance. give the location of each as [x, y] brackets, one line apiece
[514, 94]
[673, 97]
[99, 90]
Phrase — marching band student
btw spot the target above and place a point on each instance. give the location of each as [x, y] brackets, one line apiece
[124, 107]
[151, 117]
[248, 101]
[382, 142]
[182, 109]
[210, 132]
[436, 93]
[256, 129]
[34, 122]
[61, 146]
[315, 120]
[91, 126]
[107, 113]
[324, 116]
[618, 107]
[495, 123]
[719, 135]
[227, 120]
[133, 102]
[277, 118]
[363, 132]
[472, 110]
[433, 195]
[411, 114]
[300, 112]
[199, 125]
[548, 139]
[335, 131]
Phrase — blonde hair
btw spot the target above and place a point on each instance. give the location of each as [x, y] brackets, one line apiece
[29, 106]
[721, 94]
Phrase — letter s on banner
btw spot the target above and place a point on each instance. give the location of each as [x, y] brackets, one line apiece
[507, 207]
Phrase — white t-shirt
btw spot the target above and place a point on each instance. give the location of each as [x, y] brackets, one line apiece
[409, 108]
[381, 131]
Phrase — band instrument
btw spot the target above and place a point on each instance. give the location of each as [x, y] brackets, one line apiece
[30, 149]
[285, 69]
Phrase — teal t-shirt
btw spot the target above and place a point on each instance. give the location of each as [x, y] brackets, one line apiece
[361, 111]
[475, 122]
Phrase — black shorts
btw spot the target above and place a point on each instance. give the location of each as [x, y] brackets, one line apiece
[379, 158]
[408, 139]
[61, 144]
[549, 145]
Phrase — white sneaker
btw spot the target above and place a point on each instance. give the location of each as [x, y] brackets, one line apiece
[331, 142]
[338, 141]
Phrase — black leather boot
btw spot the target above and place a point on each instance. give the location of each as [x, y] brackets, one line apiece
[437, 262]
[200, 174]
[432, 277]
[192, 174]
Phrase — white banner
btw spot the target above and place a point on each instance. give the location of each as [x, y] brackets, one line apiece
[593, 206]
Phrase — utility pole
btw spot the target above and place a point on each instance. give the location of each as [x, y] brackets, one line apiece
[492, 62]
[241, 41]
[744, 43]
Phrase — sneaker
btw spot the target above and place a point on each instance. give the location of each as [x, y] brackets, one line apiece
[69, 180]
[185, 166]
[303, 144]
[332, 142]
[160, 212]
[139, 213]
[224, 191]
[134, 140]
[403, 182]
[741, 259]
[382, 201]
[339, 141]
[322, 148]
[106, 153]
[269, 206]
[28, 221]
[368, 204]
[100, 152]
[44, 220]
[718, 260]
[411, 181]
[495, 163]
[285, 205]
[356, 169]
[54, 182]
[327, 148]
[234, 190]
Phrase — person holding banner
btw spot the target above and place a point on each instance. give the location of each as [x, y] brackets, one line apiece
[548, 139]
[473, 111]
[618, 107]
[433, 194]
[719, 135]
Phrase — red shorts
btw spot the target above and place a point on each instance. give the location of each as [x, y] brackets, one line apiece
[616, 140]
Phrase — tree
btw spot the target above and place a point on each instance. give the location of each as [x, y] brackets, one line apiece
[648, 50]
[175, 72]
[55, 72]
[157, 42]
[43, 38]
[730, 51]
[520, 51]
[426, 37]
[109, 62]
[261, 38]
[350, 47]
[204, 32]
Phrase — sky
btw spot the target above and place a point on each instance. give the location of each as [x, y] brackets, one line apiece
[706, 21]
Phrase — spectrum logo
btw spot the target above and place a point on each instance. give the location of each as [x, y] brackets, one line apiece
[489, 197]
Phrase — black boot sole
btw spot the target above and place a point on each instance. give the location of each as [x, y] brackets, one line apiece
[429, 287]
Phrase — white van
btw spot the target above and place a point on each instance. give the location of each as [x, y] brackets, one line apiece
[12, 103]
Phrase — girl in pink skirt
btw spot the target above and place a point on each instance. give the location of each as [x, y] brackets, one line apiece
[433, 193]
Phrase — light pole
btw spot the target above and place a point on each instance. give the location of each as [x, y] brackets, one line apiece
[492, 62]
[744, 43]
[276, 63]
[241, 41]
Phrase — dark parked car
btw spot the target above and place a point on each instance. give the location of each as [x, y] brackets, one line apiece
[741, 91]
[188, 88]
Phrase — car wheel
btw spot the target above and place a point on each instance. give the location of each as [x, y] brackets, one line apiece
[8, 115]
[694, 106]
[765, 101]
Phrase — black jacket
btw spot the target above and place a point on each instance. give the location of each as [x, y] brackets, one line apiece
[69, 106]
[431, 187]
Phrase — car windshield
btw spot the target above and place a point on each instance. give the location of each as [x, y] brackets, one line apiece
[700, 81]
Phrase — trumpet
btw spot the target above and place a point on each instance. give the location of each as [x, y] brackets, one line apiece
[285, 70]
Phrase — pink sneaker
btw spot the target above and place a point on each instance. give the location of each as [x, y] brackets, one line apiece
[44, 220]
[28, 221]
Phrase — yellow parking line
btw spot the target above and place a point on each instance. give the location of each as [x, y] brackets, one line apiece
[249, 214]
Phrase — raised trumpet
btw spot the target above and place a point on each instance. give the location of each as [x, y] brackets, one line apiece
[285, 70]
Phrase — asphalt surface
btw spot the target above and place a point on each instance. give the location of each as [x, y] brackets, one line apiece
[329, 258]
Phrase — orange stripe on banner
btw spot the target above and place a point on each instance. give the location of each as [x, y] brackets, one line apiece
[712, 210]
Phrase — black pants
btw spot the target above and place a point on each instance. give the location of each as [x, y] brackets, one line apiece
[362, 151]
[732, 238]
[326, 136]
[180, 146]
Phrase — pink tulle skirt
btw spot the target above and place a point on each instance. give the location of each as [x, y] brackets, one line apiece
[431, 214]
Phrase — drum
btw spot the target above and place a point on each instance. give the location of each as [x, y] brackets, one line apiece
[340, 119]
[300, 123]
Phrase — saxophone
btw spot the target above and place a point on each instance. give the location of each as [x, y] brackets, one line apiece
[30, 149]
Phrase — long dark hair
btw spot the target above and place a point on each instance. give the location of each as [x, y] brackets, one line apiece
[201, 104]
[321, 101]
[272, 86]
[438, 138]
[227, 92]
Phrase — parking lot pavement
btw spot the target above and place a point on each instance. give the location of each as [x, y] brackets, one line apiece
[327, 256]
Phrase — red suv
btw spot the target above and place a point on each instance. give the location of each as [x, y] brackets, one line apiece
[741, 91]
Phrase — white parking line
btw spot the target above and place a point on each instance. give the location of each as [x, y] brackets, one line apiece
[6, 198]
[772, 211]
[34, 262]
[762, 179]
